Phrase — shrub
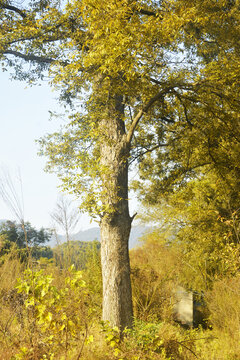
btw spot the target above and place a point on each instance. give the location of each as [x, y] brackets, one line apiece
[150, 341]
[223, 302]
[56, 319]
[154, 276]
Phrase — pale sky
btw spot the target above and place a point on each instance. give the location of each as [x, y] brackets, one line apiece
[24, 117]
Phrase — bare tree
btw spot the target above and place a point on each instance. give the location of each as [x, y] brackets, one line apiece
[13, 198]
[67, 217]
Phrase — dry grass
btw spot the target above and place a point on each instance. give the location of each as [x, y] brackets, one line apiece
[162, 340]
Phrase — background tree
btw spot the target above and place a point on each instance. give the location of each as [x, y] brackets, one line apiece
[12, 195]
[148, 77]
[206, 240]
[14, 234]
[67, 218]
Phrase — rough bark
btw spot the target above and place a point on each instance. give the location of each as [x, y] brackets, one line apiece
[116, 224]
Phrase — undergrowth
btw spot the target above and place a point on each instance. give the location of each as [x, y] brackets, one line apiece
[51, 313]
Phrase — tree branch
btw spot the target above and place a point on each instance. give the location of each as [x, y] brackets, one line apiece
[47, 40]
[184, 108]
[29, 57]
[144, 110]
[13, 8]
[146, 152]
[132, 217]
[32, 57]
[147, 12]
[155, 81]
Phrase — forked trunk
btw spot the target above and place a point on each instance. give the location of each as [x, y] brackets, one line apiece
[116, 222]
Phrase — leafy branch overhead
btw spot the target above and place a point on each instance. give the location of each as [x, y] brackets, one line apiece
[94, 49]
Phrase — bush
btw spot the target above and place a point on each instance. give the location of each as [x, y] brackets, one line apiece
[151, 341]
[154, 277]
[223, 302]
[55, 318]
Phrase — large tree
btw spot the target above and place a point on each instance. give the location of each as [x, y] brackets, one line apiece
[130, 70]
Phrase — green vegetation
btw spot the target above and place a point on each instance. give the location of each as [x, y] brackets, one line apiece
[76, 252]
[154, 83]
[52, 312]
[13, 235]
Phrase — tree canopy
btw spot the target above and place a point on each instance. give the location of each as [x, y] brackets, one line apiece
[174, 63]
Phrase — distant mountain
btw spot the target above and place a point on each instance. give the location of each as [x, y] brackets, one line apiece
[94, 234]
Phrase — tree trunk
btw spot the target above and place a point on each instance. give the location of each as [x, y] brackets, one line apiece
[116, 222]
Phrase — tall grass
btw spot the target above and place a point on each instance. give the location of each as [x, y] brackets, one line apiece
[56, 314]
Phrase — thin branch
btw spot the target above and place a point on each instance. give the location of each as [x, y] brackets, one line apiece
[155, 81]
[56, 37]
[147, 12]
[15, 9]
[146, 151]
[143, 111]
[45, 40]
[31, 57]
[132, 217]
[184, 108]
[186, 347]
[10, 197]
